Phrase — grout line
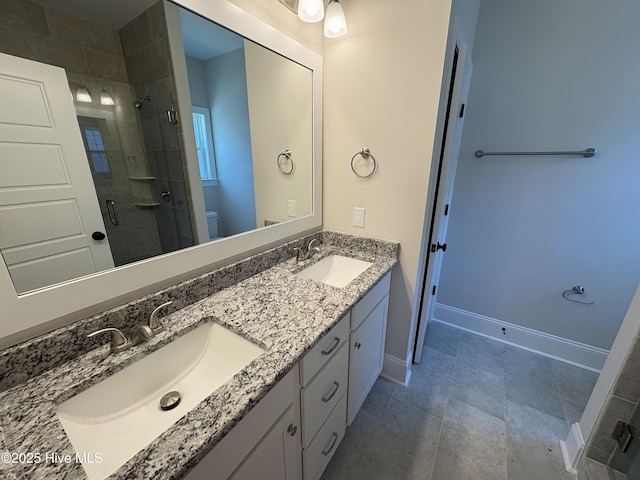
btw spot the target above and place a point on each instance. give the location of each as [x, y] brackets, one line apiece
[444, 414]
[435, 457]
[504, 412]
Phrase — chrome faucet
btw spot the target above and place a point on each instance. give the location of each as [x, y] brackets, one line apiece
[312, 250]
[119, 341]
[153, 323]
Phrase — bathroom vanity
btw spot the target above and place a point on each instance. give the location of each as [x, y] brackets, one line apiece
[281, 416]
[330, 383]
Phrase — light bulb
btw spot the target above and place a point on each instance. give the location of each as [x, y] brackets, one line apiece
[106, 99]
[335, 25]
[310, 11]
[83, 95]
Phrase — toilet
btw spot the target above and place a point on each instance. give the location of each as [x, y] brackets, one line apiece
[212, 224]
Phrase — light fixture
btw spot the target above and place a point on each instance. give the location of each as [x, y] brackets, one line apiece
[83, 95]
[335, 25]
[310, 11]
[106, 99]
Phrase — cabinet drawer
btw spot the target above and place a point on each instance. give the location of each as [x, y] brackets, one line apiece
[369, 301]
[323, 393]
[326, 348]
[317, 456]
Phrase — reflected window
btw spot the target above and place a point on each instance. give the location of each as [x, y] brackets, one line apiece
[93, 135]
[97, 151]
[204, 143]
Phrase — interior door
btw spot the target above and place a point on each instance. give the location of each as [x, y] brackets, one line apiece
[48, 205]
[451, 145]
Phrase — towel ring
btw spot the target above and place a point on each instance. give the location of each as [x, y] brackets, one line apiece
[366, 154]
[287, 156]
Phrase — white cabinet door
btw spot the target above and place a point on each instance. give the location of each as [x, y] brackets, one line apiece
[276, 456]
[367, 355]
[265, 444]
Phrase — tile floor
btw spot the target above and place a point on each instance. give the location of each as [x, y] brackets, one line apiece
[475, 409]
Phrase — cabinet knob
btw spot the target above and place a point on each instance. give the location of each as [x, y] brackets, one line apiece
[292, 429]
[358, 345]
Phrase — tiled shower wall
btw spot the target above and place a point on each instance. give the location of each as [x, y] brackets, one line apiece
[623, 404]
[148, 59]
[92, 57]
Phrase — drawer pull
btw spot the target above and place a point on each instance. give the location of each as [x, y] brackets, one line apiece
[292, 429]
[336, 386]
[358, 345]
[333, 347]
[333, 444]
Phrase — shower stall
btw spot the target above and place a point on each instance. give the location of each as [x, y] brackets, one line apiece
[134, 149]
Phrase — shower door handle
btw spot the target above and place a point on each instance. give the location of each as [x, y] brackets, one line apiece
[113, 213]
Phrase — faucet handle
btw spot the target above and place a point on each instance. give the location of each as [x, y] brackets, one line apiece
[299, 253]
[153, 322]
[312, 249]
[119, 341]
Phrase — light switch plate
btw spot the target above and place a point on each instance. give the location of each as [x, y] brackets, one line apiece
[291, 208]
[358, 217]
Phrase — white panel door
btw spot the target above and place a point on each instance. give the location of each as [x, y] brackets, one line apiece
[48, 205]
[446, 181]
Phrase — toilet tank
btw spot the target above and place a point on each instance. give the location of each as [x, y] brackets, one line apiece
[212, 224]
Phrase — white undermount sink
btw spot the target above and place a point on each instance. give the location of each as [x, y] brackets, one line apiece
[121, 415]
[335, 270]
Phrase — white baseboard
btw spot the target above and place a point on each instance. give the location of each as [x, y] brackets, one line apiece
[572, 448]
[559, 348]
[396, 370]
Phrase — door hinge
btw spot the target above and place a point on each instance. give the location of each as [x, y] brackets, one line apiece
[461, 111]
[446, 210]
[433, 290]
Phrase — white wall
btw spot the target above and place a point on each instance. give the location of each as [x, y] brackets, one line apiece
[549, 75]
[197, 82]
[227, 92]
[280, 107]
[282, 19]
[382, 86]
[467, 12]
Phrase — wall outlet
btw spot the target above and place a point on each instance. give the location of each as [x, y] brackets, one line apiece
[291, 208]
[358, 217]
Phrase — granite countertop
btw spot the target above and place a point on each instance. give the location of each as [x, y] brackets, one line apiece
[283, 313]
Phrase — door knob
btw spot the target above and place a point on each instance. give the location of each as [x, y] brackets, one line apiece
[98, 236]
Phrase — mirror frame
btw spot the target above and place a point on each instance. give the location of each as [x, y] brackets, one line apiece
[33, 313]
